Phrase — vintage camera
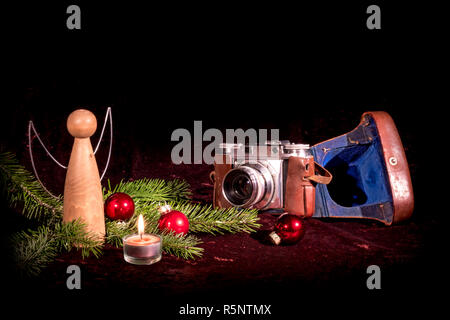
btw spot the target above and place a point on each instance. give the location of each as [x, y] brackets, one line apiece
[277, 175]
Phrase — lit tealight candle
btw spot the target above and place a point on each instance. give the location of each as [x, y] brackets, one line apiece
[142, 248]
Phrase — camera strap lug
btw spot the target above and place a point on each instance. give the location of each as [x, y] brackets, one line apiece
[321, 175]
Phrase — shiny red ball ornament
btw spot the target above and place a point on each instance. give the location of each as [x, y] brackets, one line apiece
[173, 220]
[289, 229]
[119, 206]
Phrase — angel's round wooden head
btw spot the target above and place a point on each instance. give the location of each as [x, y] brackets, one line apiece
[81, 123]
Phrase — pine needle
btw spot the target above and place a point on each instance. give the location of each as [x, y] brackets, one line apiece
[205, 218]
[18, 185]
[152, 190]
[34, 249]
[181, 246]
[69, 235]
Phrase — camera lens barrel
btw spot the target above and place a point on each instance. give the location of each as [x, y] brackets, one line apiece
[248, 186]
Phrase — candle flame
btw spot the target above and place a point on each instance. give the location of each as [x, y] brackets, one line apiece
[141, 225]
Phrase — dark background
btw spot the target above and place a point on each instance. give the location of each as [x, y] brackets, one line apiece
[309, 70]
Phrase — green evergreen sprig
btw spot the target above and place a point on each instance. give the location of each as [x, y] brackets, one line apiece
[34, 249]
[205, 218]
[182, 246]
[152, 189]
[74, 234]
[202, 218]
[18, 185]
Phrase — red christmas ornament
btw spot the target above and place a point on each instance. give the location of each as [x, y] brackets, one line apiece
[119, 206]
[289, 229]
[172, 220]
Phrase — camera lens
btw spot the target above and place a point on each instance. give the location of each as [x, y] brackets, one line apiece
[241, 188]
[238, 187]
[246, 186]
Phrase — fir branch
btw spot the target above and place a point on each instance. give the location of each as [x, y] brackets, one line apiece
[74, 234]
[20, 186]
[116, 230]
[202, 218]
[33, 250]
[181, 246]
[152, 190]
[185, 247]
[149, 193]
[205, 218]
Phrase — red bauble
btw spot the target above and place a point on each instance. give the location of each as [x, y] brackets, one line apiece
[119, 206]
[289, 229]
[174, 221]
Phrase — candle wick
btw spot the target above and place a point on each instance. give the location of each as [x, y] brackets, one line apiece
[140, 235]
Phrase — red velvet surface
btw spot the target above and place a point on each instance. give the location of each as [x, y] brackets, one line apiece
[333, 255]
[327, 267]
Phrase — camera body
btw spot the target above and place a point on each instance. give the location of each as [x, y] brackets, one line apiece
[271, 176]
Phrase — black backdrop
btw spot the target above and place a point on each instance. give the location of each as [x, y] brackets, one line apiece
[309, 70]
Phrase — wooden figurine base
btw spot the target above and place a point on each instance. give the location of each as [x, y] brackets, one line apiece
[83, 197]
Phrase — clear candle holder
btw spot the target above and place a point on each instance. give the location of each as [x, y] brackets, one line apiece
[143, 250]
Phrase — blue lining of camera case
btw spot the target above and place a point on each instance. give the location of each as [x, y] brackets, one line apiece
[360, 187]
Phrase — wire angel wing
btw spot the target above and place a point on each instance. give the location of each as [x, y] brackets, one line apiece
[31, 128]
